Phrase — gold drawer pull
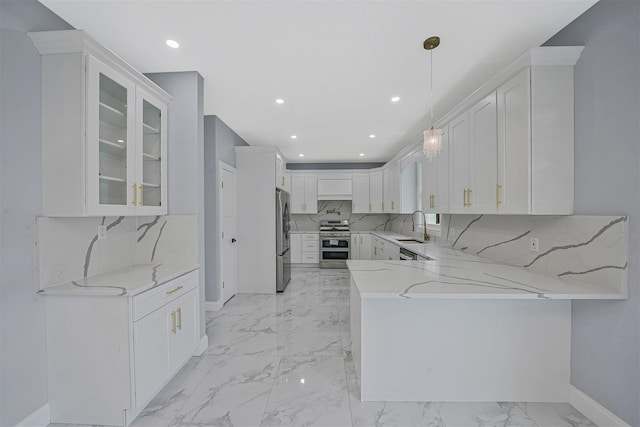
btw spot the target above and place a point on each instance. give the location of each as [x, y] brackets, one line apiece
[179, 318]
[498, 201]
[173, 322]
[174, 290]
[135, 195]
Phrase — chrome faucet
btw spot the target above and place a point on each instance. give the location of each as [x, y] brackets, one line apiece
[425, 236]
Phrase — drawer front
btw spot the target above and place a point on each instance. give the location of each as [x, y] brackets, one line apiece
[155, 298]
[309, 258]
[310, 237]
[309, 246]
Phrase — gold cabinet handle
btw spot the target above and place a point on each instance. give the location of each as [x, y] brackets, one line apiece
[141, 187]
[173, 322]
[135, 195]
[469, 197]
[283, 181]
[179, 311]
[464, 198]
[392, 206]
[174, 290]
[383, 206]
[498, 201]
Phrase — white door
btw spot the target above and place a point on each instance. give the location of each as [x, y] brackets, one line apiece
[297, 194]
[361, 203]
[484, 155]
[227, 227]
[375, 192]
[459, 163]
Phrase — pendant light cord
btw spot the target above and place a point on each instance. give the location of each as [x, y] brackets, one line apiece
[431, 85]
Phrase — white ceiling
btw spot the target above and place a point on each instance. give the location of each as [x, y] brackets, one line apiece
[335, 63]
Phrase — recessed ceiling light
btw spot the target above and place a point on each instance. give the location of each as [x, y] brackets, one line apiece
[301, 155]
[279, 101]
[361, 154]
[121, 140]
[172, 43]
[395, 99]
[372, 136]
[294, 137]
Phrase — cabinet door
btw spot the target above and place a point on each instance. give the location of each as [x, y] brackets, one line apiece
[365, 246]
[361, 203]
[311, 194]
[441, 196]
[111, 146]
[429, 183]
[354, 250]
[375, 192]
[151, 360]
[151, 155]
[459, 163]
[183, 334]
[514, 139]
[297, 193]
[391, 178]
[484, 145]
[296, 248]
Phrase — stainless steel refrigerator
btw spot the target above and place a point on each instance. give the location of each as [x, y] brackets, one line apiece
[283, 250]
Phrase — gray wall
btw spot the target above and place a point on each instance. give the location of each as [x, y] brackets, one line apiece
[23, 353]
[331, 166]
[605, 335]
[185, 166]
[220, 143]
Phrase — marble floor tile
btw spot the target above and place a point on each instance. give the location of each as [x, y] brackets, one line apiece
[555, 415]
[309, 391]
[484, 415]
[233, 393]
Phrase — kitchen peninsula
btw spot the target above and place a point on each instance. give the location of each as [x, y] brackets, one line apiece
[462, 328]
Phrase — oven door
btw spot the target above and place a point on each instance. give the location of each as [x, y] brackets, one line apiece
[334, 252]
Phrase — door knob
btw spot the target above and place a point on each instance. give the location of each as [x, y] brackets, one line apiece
[233, 240]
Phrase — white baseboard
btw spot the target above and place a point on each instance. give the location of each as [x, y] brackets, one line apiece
[204, 343]
[591, 409]
[213, 305]
[39, 418]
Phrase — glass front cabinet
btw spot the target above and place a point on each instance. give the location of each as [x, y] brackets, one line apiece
[116, 156]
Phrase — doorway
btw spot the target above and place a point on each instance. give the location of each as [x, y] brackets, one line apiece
[227, 231]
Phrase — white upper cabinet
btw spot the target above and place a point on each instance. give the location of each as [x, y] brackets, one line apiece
[281, 173]
[483, 141]
[335, 186]
[361, 202]
[104, 131]
[514, 136]
[304, 193]
[512, 151]
[459, 163]
[391, 191]
[375, 192]
[435, 179]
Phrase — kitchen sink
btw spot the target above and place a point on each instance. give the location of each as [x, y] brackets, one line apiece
[409, 241]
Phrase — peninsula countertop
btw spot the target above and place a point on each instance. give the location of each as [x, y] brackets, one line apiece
[452, 273]
[129, 281]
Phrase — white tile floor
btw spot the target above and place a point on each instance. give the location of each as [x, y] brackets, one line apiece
[285, 360]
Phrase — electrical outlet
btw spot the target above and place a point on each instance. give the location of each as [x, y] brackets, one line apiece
[534, 244]
[102, 232]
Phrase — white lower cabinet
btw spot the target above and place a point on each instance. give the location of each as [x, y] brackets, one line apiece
[360, 246]
[108, 356]
[305, 248]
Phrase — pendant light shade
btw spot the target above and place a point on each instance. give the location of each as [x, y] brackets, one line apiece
[432, 143]
[433, 137]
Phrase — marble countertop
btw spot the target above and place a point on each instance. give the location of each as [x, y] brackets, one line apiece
[452, 273]
[128, 281]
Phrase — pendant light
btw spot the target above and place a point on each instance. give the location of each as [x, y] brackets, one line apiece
[432, 137]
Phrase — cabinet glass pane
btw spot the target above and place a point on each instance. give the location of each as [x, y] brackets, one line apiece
[113, 142]
[151, 155]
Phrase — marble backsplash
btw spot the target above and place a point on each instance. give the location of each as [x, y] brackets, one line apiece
[68, 248]
[336, 210]
[590, 249]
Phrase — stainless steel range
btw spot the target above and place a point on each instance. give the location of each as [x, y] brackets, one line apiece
[335, 239]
